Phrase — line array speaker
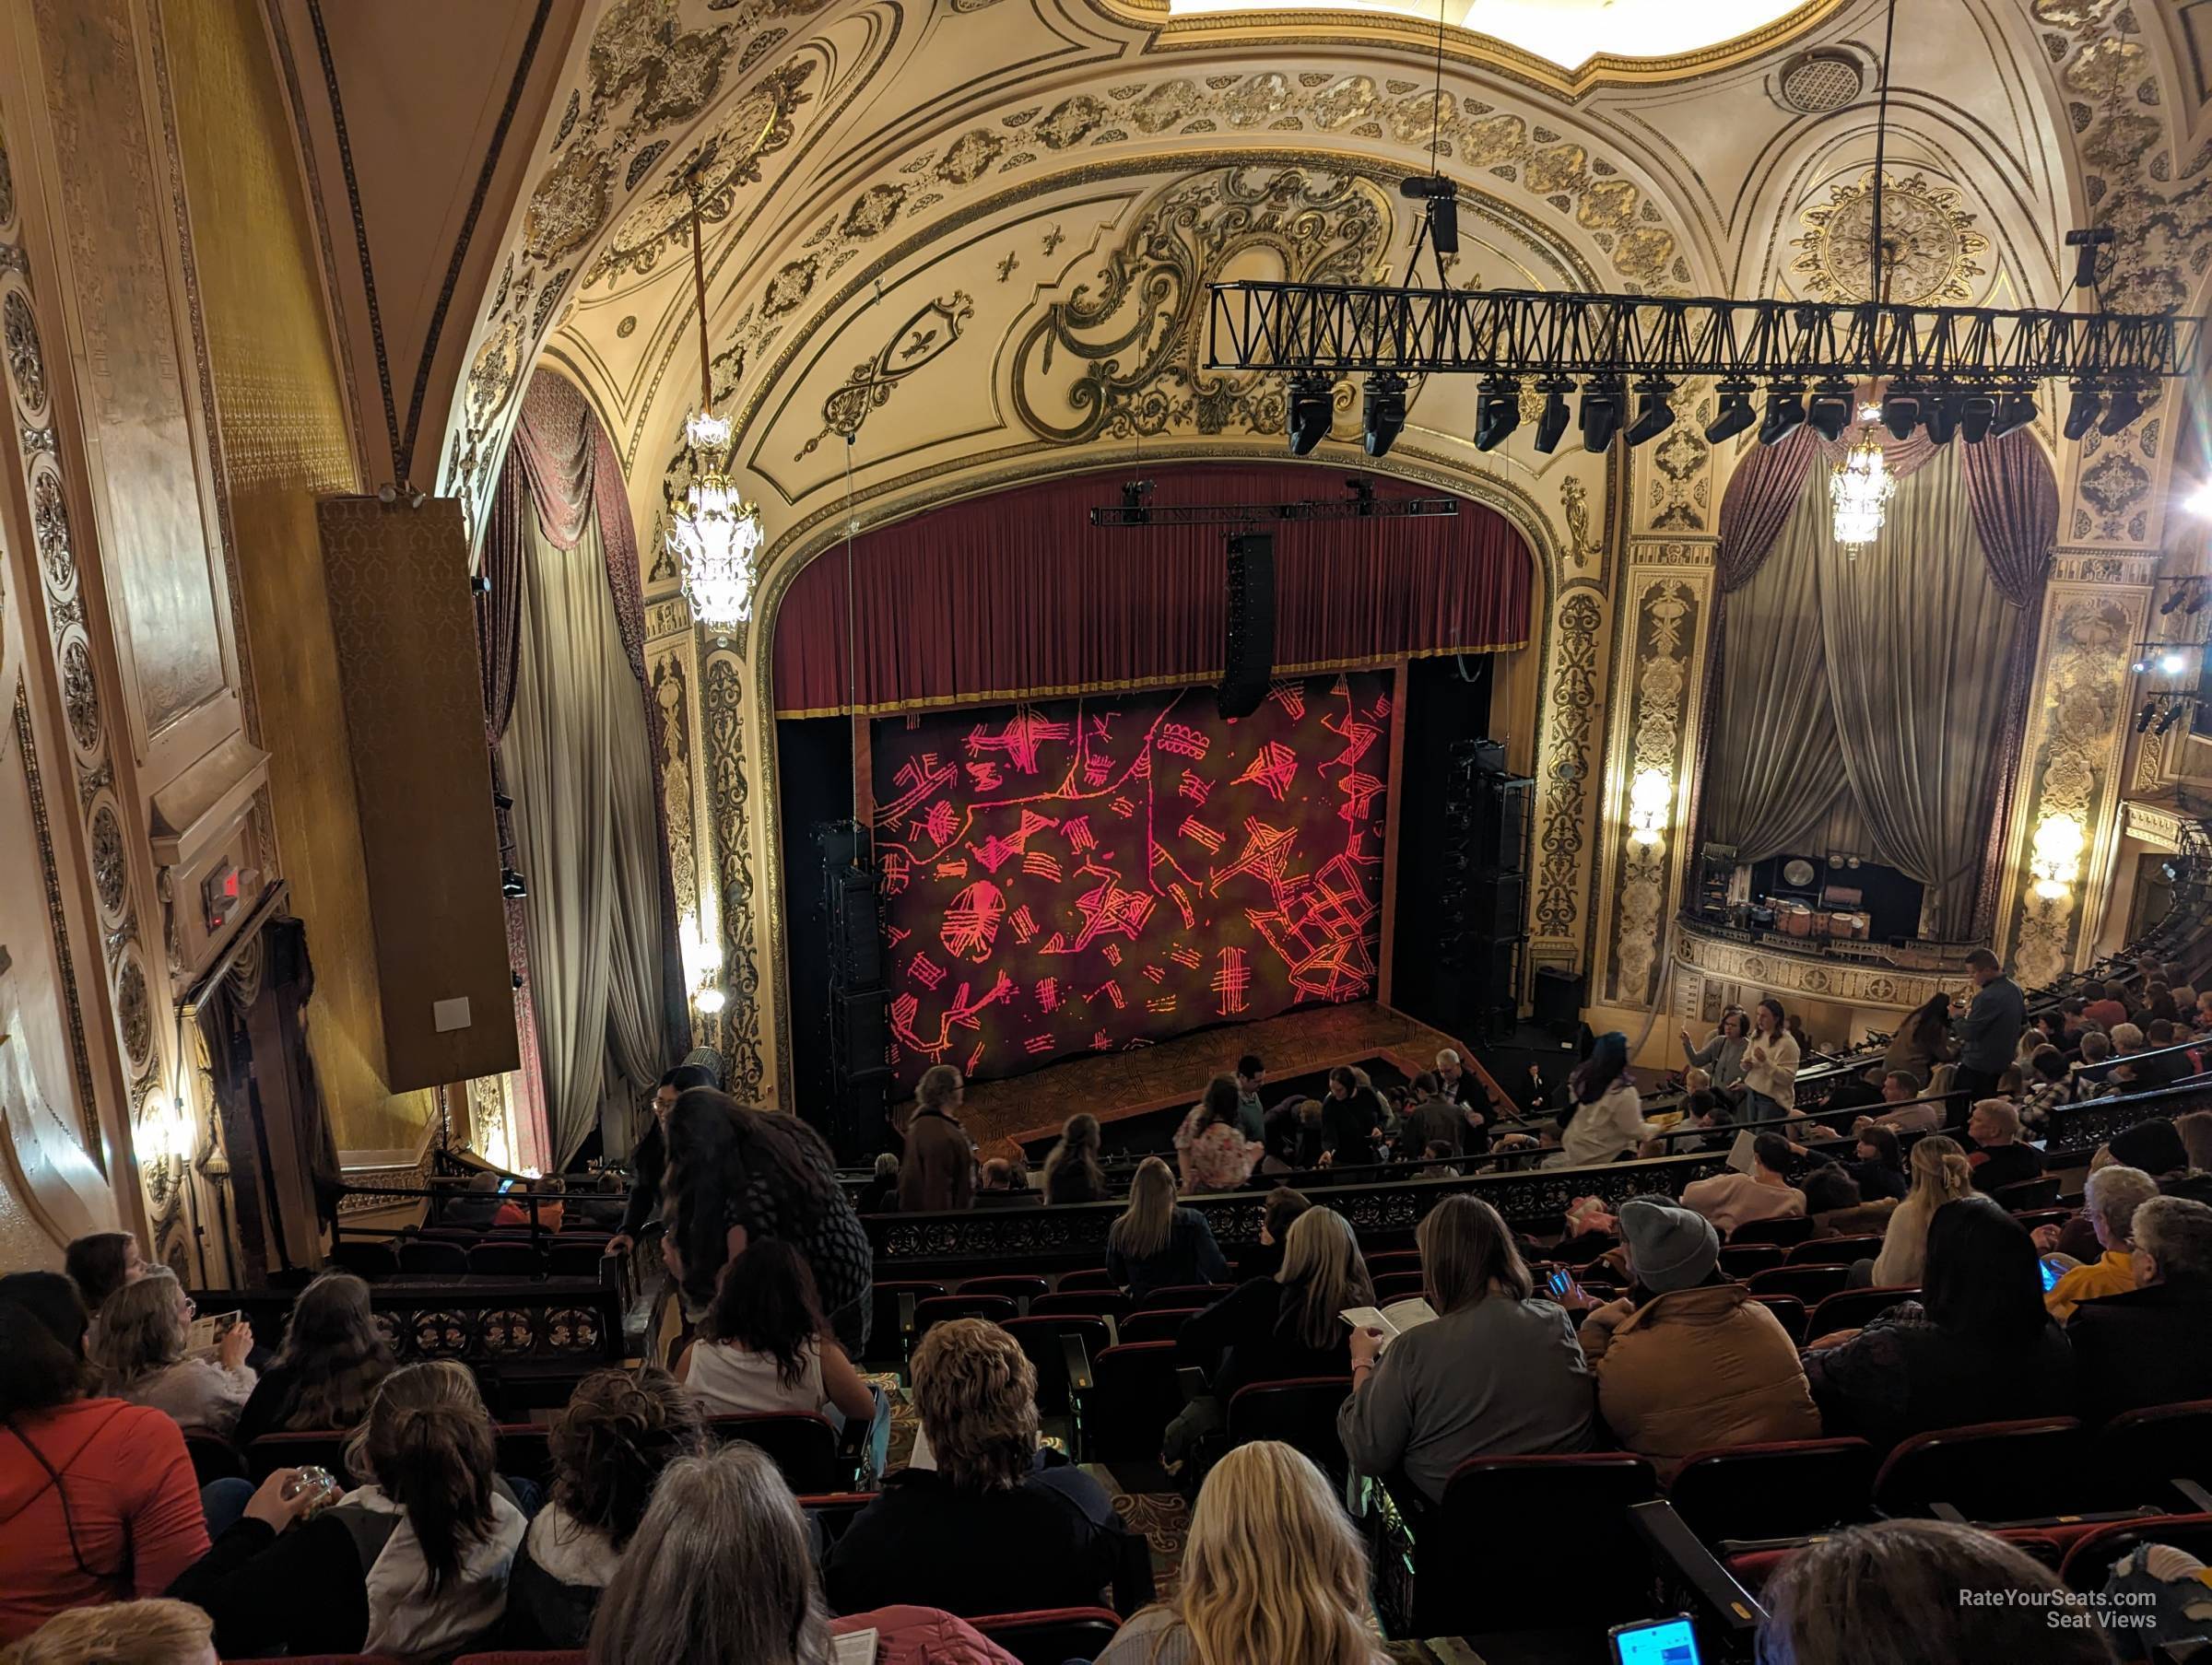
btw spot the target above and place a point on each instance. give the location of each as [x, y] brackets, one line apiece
[1248, 658]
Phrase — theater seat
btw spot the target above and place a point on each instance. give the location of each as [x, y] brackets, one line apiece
[2136, 1456]
[2028, 1194]
[803, 1447]
[1835, 1251]
[1200, 1295]
[1396, 1286]
[1808, 1284]
[1137, 1397]
[1784, 1231]
[1154, 1324]
[585, 1258]
[213, 1459]
[1021, 1288]
[506, 1261]
[1790, 1310]
[321, 1450]
[1854, 1309]
[1992, 1472]
[834, 1511]
[1570, 1558]
[1394, 1260]
[365, 1258]
[1044, 1340]
[1099, 1303]
[2090, 1557]
[1741, 1260]
[1094, 1278]
[525, 1451]
[992, 1308]
[419, 1258]
[1051, 1635]
[890, 1294]
[510, 1656]
[385, 1658]
[1301, 1412]
[1780, 1489]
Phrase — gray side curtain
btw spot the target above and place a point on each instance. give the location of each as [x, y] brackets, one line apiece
[1775, 769]
[1919, 650]
[578, 761]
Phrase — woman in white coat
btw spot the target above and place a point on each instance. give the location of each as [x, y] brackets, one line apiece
[1770, 1065]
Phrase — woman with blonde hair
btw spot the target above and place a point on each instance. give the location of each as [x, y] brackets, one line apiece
[1940, 1175]
[1071, 1173]
[332, 1359]
[1156, 1244]
[1271, 1570]
[140, 1348]
[1274, 1328]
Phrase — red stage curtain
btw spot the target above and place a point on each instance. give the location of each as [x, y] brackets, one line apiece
[1017, 593]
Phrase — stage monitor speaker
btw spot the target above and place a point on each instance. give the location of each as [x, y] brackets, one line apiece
[1484, 756]
[1557, 999]
[860, 1038]
[1500, 822]
[1248, 660]
[854, 912]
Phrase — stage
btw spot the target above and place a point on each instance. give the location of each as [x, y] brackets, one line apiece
[1113, 1086]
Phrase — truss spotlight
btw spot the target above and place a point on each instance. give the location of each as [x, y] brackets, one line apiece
[1785, 412]
[1552, 424]
[1498, 411]
[2127, 404]
[1654, 410]
[1942, 416]
[1976, 415]
[1381, 412]
[2173, 664]
[2172, 716]
[1312, 408]
[1735, 414]
[1901, 409]
[1134, 493]
[2173, 601]
[2016, 410]
[2143, 717]
[1830, 410]
[2082, 408]
[512, 885]
[501, 802]
[2198, 596]
[1602, 410]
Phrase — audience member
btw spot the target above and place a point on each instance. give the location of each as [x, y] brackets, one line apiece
[1770, 1060]
[880, 1194]
[1453, 1082]
[1686, 1360]
[609, 1447]
[1273, 1328]
[1279, 1210]
[2155, 1146]
[325, 1373]
[1721, 1056]
[1922, 1041]
[1977, 1346]
[98, 1502]
[516, 1211]
[2109, 1198]
[1071, 1173]
[737, 1174]
[938, 1172]
[121, 1633]
[1731, 1199]
[1497, 1374]
[2195, 1128]
[1940, 1175]
[1006, 1184]
[1607, 1120]
[1879, 1165]
[2109, 1011]
[988, 1530]
[1999, 1158]
[2096, 1050]
[1990, 1031]
[414, 1561]
[766, 1346]
[141, 1349]
[1155, 1244]
[2049, 1088]
[1252, 1116]
[102, 1263]
[1434, 1119]
[476, 1202]
[1297, 1136]
[1272, 1569]
[649, 1161]
[2160, 1064]
[1918, 1591]
[2153, 1344]
[1828, 1189]
[1211, 1151]
[1352, 1116]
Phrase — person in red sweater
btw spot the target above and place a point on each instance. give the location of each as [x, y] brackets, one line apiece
[98, 1501]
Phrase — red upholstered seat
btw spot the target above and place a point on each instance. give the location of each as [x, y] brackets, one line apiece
[1471, 1575]
[508, 1655]
[801, 1446]
[1772, 1231]
[1397, 1286]
[2136, 1455]
[365, 1257]
[1017, 1287]
[1854, 1309]
[524, 1449]
[1095, 1278]
[1043, 1337]
[322, 1449]
[936, 1308]
[1301, 1412]
[1154, 1324]
[213, 1459]
[1099, 1303]
[1995, 1471]
[1782, 1489]
[1186, 1294]
[1137, 1397]
[1835, 1251]
[1394, 1260]
[1789, 1309]
[1741, 1260]
[883, 1326]
[2090, 1556]
[1051, 1635]
[1808, 1284]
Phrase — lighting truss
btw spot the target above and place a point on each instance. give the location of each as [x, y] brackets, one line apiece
[1293, 328]
[1362, 505]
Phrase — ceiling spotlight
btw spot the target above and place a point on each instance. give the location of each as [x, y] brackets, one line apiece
[512, 885]
[1900, 412]
[2143, 717]
[2127, 404]
[2198, 596]
[1654, 410]
[1134, 493]
[1497, 411]
[1312, 408]
[1976, 415]
[2171, 602]
[479, 584]
[2173, 664]
[1785, 412]
[416, 497]
[2140, 666]
[2172, 716]
[1941, 415]
[1830, 410]
[2200, 500]
[2016, 410]
[1736, 414]
[1552, 424]
[1381, 412]
[2081, 411]
[1602, 409]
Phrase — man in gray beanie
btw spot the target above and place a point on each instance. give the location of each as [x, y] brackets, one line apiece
[1687, 1360]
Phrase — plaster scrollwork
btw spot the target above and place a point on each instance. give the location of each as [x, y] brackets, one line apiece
[34, 781]
[1667, 619]
[673, 747]
[1566, 769]
[1890, 988]
[919, 342]
[745, 1066]
[1933, 248]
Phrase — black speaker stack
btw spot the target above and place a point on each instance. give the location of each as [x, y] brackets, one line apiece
[1248, 662]
[860, 1036]
[1482, 891]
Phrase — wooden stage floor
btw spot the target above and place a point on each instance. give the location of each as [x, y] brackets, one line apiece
[998, 1114]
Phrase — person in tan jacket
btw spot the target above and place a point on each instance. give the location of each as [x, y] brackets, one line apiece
[1687, 1361]
[938, 1172]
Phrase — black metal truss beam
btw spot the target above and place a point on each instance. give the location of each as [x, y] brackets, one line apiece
[1292, 328]
[1253, 514]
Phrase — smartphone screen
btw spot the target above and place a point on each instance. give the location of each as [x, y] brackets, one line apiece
[1657, 1642]
[2051, 1275]
[506, 1185]
[1561, 1282]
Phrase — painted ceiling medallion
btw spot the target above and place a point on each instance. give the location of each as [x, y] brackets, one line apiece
[1931, 244]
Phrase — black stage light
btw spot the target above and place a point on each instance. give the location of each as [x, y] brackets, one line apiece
[2198, 596]
[2127, 404]
[1312, 408]
[2082, 409]
[1976, 415]
[1654, 410]
[512, 885]
[2171, 603]
[1736, 415]
[2143, 717]
[2172, 716]
[1552, 424]
[1941, 415]
[1443, 224]
[1498, 411]
[2016, 410]
[1603, 400]
[1785, 412]
[1381, 412]
[1134, 493]
[1901, 408]
[1830, 410]
[501, 800]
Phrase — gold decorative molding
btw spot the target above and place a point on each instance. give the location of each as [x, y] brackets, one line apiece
[2157, 824]
[1930, 246]
[1817, 976]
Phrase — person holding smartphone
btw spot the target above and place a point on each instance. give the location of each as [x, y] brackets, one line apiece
[144, 1351]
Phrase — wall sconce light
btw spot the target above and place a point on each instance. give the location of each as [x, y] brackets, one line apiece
[1650, 794]
[2054, 862]
[710, 1000]
[165, 1133]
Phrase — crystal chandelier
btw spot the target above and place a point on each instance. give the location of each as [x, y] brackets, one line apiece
[1859, 489]
[715, 536]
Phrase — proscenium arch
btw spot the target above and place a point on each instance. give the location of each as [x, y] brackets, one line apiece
[919, 492]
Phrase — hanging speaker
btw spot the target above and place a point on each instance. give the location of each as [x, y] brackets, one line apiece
[1248, 662]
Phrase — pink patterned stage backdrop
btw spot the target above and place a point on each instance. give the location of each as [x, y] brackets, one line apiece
[1089, 876]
